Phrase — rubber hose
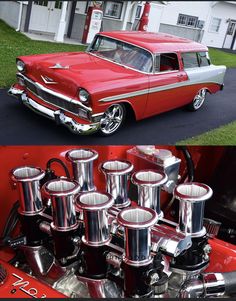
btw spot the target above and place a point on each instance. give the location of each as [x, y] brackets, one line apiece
[52, 160]
[189, 162]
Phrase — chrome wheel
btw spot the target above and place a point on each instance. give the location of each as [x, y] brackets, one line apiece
[199, 99]
[112, 119]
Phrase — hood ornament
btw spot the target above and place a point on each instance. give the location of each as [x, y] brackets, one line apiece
[48, 80]
[59, 66]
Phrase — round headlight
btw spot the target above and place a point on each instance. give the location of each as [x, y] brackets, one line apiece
[20, 66]
[83, 95]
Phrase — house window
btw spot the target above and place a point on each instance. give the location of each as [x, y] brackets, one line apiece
[186, 20]
[215, 24]
[113, 9]
[58, 4]
[138, 12]
[200, 24]
[231, 28]
[41, 3]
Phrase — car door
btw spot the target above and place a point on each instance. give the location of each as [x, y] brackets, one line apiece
[165, 84]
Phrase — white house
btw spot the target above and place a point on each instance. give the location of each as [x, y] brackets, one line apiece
[210, 22]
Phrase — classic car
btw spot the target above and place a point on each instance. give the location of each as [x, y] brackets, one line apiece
[145, 225]
[123, 74]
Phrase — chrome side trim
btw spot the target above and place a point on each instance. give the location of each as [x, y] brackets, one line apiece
[59, 95]
[98, 114]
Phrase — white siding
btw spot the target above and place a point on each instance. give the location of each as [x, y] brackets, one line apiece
[172, 10]
[204, 10]
[223, 11]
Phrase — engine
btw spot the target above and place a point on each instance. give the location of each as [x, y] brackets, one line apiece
[127, 222]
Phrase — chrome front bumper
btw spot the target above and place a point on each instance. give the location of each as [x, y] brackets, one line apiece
[58, 116]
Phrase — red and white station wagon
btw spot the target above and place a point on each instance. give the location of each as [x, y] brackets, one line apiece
[121, 73]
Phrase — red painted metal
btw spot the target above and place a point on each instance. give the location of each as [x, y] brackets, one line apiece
[20, 285]
[144, 18]
[222, 257]
[102, 78]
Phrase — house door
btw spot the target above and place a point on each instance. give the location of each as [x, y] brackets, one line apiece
[154, 17]
[45, 16]
[230, 34]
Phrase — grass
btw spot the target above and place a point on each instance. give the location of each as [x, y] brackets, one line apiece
[224, 135]
[219, 57]
[13, 44]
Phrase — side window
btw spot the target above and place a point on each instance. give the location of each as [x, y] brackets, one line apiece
[166, 62]
[190, 60]
[203, 59]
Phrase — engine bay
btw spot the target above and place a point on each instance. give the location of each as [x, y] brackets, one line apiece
[117, 221]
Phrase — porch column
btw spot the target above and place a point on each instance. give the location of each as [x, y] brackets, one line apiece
[59, 36]
[126, 15]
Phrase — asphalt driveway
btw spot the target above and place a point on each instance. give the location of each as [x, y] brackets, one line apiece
[19, 125]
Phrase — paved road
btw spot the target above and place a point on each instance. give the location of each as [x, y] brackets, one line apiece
[19, 125]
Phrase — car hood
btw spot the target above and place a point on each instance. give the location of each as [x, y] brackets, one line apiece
[69, 71]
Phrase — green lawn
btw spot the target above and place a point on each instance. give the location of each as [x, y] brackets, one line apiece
[219, 57]
[224, 135]
[13, 44]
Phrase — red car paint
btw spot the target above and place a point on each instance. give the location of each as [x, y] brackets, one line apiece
[103, 78]
[20, 285]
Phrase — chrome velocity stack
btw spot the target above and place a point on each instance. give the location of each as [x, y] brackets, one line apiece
[149, 184]
[27, 180]
[117, 174]
[82, 165]
[95, 206]
[137, 260]
[137, 223]
[62, 193]
[192, 197]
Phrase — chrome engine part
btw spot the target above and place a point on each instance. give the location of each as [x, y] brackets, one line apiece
[90, 243]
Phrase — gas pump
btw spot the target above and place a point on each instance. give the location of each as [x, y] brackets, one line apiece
[93, 22]
[144, 19]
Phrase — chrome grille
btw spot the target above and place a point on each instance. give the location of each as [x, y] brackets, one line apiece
[52, 99]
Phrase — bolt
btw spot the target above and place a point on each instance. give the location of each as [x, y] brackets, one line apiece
[207, 249]
[81, 270]
[154, 278]
[16, 264]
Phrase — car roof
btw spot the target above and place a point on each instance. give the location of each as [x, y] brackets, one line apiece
[156, 42]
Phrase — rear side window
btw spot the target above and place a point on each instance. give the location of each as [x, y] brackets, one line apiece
[166, 62]
[190, 60]
[195, 59]
[203, 59]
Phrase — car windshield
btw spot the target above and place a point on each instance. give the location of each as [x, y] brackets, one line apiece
[122, 53]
